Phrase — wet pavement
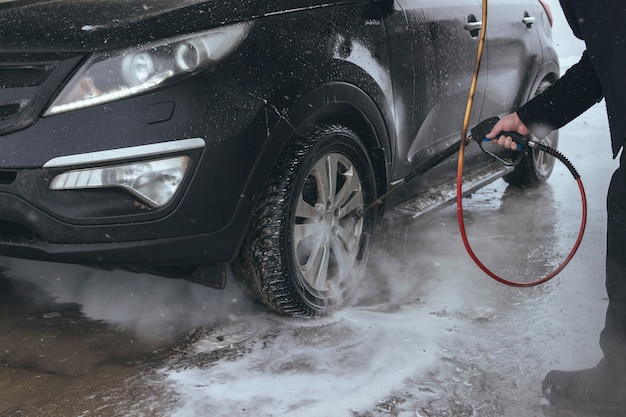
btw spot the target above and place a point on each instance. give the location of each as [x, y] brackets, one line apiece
[428, 334]
[54, 361]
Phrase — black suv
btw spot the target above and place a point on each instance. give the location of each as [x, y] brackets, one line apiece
[181, 137]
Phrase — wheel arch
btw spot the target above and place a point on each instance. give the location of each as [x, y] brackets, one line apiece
[548, 71]
[332, 103]
[346, 104]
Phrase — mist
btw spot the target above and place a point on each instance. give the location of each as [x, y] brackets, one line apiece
[154, 308]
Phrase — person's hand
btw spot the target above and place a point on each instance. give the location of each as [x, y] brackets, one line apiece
[509, 123]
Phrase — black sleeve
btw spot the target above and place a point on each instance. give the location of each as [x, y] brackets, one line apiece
[566, 99]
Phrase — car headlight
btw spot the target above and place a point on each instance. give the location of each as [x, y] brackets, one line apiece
[114, 75]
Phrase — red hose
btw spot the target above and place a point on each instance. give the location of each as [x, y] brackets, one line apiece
[459, 204]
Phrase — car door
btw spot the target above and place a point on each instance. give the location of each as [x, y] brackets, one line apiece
[444, 40]
[511, 50]
[509, 63]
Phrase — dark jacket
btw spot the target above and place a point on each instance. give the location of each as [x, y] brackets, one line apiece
[601, 72]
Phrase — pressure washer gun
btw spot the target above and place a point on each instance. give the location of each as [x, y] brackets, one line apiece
[480, 131]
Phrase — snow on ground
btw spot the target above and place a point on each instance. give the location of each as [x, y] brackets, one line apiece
[334, 366]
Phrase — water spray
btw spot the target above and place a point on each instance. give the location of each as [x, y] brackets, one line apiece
[478, 135]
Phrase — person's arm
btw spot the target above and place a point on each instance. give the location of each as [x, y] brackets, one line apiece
[565, 100]
[562, 102]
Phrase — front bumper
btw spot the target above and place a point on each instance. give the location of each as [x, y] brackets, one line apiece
[203, 224]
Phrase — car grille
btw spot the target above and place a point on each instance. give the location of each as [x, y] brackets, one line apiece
[27, 84]
[20, 83]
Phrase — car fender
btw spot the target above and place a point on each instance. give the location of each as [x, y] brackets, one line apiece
[333, 102]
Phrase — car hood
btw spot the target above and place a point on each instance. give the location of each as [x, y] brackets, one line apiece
[91, 25]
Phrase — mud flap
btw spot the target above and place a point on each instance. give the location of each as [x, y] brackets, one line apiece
[213, 276]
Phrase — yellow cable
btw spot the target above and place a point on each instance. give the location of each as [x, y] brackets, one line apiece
[472, 91]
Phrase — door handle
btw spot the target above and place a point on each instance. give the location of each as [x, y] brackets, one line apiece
[528, 21]
[471, 26]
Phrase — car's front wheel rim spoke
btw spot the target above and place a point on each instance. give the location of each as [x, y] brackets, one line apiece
[325, 239]
[315, 270]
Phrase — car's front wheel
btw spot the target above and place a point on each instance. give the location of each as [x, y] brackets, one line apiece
[307, 242]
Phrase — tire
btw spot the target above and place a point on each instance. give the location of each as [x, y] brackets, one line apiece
[536, 166]
[306, 245]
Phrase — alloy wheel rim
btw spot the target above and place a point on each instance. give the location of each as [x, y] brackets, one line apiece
[327, 230]
[543, 161]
